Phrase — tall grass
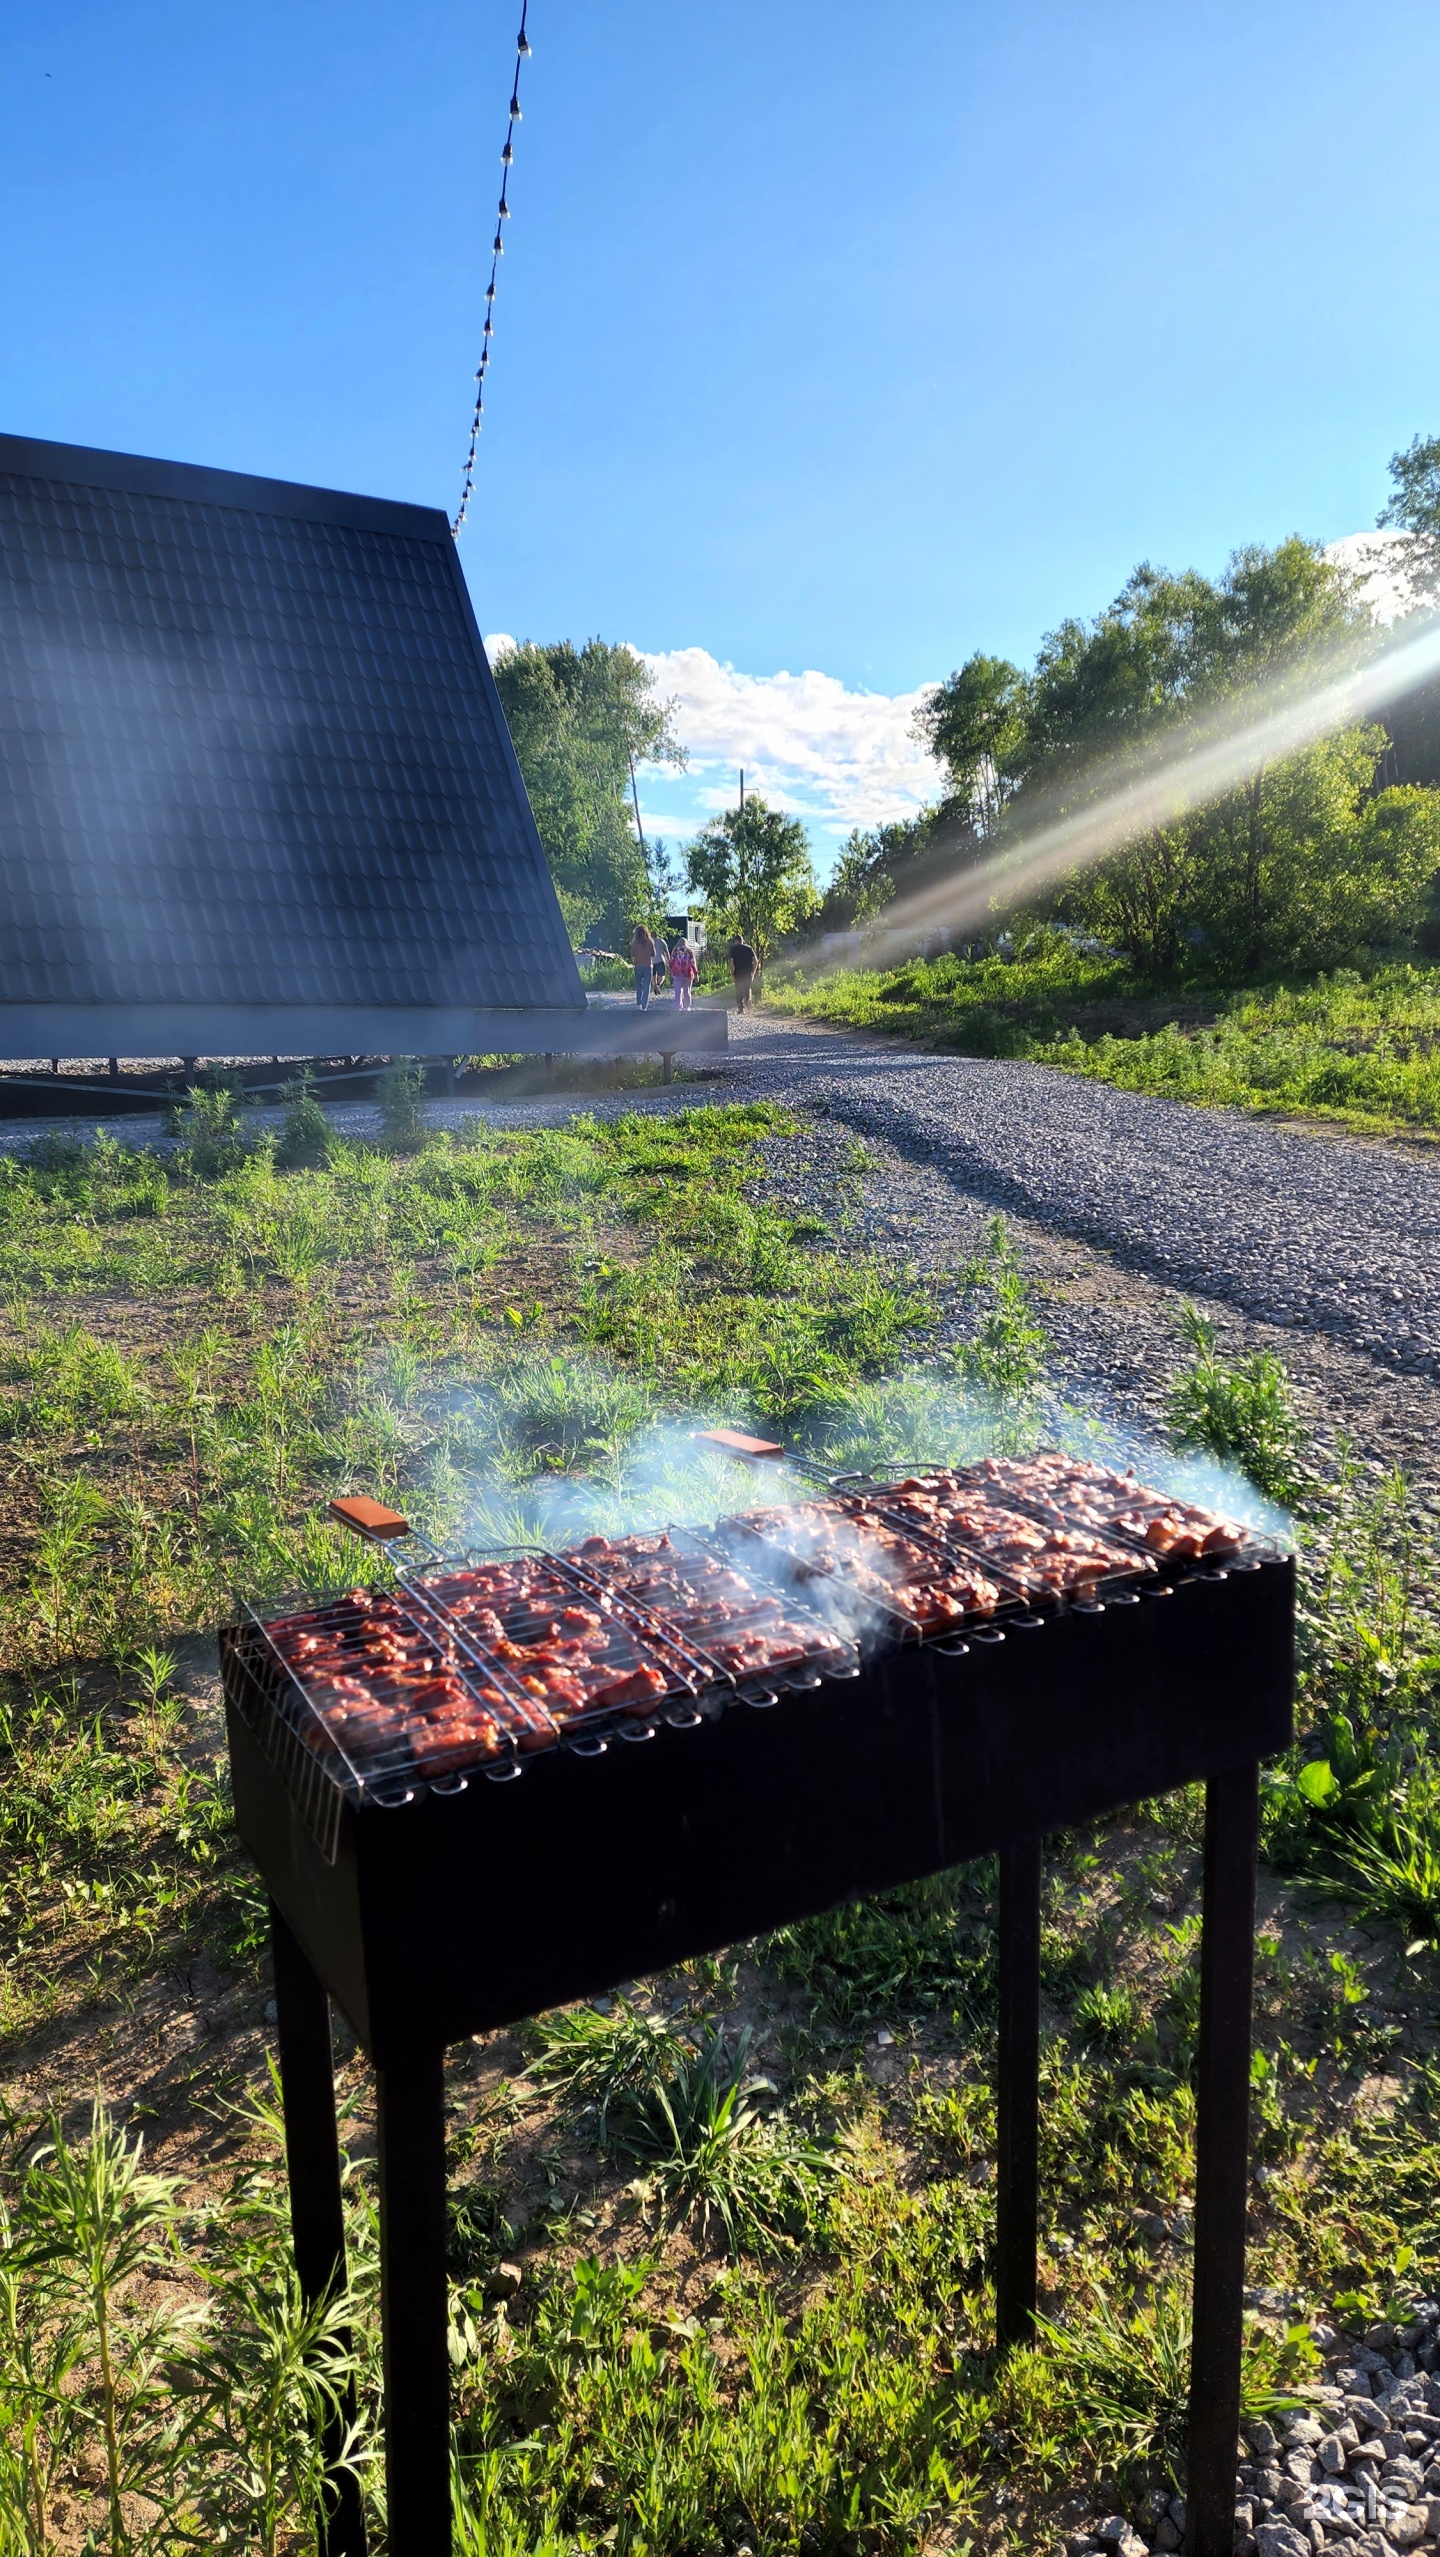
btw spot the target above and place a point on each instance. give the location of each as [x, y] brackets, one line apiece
[196, 2407]
[1363, 1049]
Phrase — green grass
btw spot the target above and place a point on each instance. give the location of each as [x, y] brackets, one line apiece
[1360, 1050]
[986, 1006]
[754, 2209]
[195, 1360]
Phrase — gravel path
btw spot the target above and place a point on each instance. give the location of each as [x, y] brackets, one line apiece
[1293, 1226]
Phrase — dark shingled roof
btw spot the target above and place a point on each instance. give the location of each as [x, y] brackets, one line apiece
[251, 751]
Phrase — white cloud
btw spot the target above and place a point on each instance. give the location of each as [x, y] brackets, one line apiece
[833, 757]
[836, 757]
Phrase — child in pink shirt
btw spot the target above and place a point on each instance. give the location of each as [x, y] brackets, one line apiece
[683, 973]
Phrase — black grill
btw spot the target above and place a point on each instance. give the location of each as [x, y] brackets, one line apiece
[565, 1852]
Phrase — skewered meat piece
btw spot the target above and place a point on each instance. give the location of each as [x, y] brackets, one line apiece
[1073, 1488]
[743, 1628]
[1051, 1558]
[390, 1685]
[571, 1651]
[1173, 1527]
[863, 1566]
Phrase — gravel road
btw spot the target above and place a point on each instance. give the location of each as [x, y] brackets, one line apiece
[1293, 1226]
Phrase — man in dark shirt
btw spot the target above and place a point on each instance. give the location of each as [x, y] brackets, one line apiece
[743, 964]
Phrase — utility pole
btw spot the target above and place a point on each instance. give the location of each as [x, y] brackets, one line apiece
[635, 795]
[742, 790]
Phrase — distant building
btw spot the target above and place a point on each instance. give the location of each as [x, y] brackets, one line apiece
[685, 927]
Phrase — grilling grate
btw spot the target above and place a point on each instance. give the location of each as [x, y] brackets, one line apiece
[471, 1662]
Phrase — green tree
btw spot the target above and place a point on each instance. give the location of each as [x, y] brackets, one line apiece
[906, 858]
[582, 719]
[977, 725]
[1340, 872]
[872, 865]
[753, 870]
[1414, 508]
[1154, 672]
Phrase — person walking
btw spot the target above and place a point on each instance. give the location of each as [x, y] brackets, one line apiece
[683, 973]
[642, 960]
[743, 964]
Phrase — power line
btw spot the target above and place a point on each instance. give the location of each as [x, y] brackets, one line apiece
[497, 251]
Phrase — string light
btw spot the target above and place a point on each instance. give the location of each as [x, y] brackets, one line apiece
[497, 251]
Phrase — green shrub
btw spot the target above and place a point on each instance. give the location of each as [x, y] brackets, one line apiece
[401, 1098]
[1239, 1410]
[213, 1140]
[306, 1138]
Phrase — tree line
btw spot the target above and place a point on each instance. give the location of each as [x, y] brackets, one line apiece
[1321, 857]
[1309, 861]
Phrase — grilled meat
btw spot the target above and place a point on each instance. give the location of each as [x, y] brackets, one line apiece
[746, 1629]
[1071, 1489]
[466, 1664]
[1049, 1556]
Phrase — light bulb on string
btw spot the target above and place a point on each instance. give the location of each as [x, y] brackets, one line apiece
[502, 215]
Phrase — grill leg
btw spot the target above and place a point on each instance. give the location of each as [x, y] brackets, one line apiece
[1222, 2164]
[312, 2158]
[1018, 2094]
[416, 2305]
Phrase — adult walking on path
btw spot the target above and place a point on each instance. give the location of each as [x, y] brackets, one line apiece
[642, 960]
[743, 966]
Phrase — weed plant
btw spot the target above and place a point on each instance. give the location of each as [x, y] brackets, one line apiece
[598, 2058]
[687, 2115]
[401, 1094]
[1356, 1810]
[184, 2387]
[306, 1137]
[1240, 1410]
[928, 1945]
[212, 1137]
[706, 2150]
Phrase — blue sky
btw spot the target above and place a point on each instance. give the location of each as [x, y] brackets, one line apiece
[830, 339]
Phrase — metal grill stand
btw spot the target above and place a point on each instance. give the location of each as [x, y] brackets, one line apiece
[472, 1905]
[412, 2190]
